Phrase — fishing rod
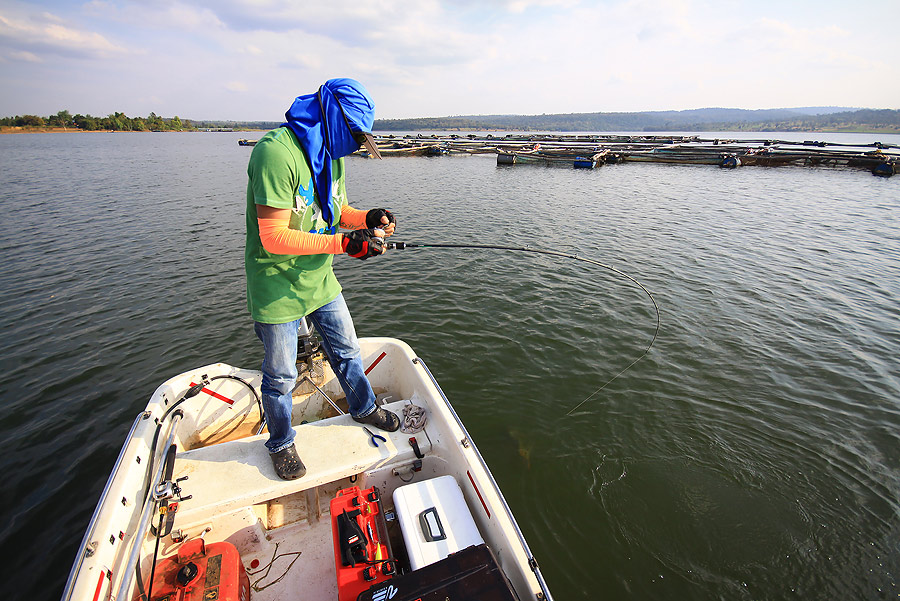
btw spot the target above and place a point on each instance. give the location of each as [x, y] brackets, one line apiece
[554, 253]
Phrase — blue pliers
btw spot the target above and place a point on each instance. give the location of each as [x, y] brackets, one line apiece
[374, 437]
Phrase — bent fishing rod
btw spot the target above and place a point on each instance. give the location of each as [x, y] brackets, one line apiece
[554, 253]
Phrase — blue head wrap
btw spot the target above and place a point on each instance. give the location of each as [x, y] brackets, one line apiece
[325, 124]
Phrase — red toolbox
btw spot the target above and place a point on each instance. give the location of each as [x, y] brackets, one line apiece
[362, 554]
[201, 572]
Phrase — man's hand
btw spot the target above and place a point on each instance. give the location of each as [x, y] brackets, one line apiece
[381, 219]
[362, 244]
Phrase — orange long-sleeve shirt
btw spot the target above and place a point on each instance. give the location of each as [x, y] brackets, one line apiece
[278, 238]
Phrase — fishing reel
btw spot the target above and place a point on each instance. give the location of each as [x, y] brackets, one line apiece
[169, 490]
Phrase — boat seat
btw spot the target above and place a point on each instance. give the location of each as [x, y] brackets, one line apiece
[231, 475]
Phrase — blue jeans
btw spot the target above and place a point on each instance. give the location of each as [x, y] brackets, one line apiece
[335, 326]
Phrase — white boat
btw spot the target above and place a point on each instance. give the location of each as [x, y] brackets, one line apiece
[195, 469]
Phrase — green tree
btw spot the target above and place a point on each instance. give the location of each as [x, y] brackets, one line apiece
[115, 122]
[86, 122]
[61, 119]
[155, 122]
[30, 121]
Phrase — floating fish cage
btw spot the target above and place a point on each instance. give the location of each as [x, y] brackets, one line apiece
[584, 151]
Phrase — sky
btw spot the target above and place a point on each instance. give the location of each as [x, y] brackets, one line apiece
[248, 59]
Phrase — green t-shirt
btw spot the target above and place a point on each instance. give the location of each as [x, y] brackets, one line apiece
[282, 288]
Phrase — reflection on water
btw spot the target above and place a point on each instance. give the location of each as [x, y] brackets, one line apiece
[753, 454]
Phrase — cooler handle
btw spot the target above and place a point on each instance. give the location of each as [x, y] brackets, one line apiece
[431, 525]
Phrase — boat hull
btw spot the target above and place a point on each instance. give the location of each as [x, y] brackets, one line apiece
[231, 493]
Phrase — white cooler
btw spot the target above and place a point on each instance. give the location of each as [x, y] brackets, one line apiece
[435, 520]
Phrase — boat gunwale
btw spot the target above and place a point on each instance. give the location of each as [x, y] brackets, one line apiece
[531, 561]
[85, 549]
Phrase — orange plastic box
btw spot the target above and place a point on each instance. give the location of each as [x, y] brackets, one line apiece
[361, 550]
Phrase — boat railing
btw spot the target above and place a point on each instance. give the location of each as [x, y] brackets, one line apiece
[135, 542]
[87, 548]
[532, 562]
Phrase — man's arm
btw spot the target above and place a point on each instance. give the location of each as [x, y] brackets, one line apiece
[279, 239]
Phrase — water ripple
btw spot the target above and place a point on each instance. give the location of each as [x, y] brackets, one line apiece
[752, 454]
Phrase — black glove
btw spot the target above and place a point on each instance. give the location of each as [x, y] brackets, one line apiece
[373, 218]
[362, 244]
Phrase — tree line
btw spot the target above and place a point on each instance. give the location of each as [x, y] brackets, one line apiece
[881, 120]
[693, 120]
[237, 125]
[114, 122]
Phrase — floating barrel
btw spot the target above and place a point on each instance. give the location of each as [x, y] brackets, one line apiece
[885, 169]
[730, 162]
[583, 163]
[506, 159]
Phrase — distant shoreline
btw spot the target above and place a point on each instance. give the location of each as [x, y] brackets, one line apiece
[14, 129]
[17, 129]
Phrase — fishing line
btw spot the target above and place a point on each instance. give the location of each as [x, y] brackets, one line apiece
[554, 253]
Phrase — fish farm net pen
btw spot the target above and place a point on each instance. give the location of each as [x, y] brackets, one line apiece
[590, 151]
[554, 253]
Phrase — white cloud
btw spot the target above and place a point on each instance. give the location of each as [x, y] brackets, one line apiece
[520, 6]
[301, 61]
[51, 17]
[45, 33]
[24, 55]
[165, 15]
[187, 17]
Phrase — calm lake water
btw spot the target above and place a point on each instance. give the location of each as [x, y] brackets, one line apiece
[753, 454]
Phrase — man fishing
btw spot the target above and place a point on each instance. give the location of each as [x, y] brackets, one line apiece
[296, 203]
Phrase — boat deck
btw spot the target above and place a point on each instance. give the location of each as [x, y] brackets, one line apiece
[294, 562]
[282, 528]
[231, 475]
